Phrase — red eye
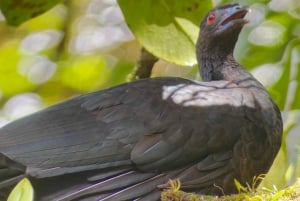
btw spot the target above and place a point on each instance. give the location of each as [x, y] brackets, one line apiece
[211, 19]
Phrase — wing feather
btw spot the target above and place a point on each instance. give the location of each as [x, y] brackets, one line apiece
[151, 125]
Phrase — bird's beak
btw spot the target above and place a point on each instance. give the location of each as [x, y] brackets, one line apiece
[234, 19]
[236, 14]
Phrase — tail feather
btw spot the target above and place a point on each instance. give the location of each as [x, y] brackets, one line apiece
[107, 174]
[11, 173]
[10, 168]
[107, 185]
[154, 195]
[11, 181]
[110, 184]
[137, 190]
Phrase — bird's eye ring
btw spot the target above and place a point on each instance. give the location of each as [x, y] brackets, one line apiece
[211, 19]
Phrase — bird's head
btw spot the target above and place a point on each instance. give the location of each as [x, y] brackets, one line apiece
[221, 26]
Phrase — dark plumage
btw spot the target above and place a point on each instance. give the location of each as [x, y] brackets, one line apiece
[126, 142]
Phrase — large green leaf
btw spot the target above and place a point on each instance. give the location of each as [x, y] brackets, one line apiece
[168, 29]
[19, 11]
[22, 192]
[286, 90]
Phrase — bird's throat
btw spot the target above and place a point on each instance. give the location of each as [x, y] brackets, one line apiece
[221, 67]
[214, 66]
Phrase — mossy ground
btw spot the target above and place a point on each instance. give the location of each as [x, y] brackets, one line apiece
[290, 193]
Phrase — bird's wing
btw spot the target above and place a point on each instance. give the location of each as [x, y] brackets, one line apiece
[92, 131]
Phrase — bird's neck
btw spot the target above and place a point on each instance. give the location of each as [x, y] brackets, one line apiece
[216, 64]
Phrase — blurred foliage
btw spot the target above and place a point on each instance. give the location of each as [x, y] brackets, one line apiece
[9, 60]
[82, 46]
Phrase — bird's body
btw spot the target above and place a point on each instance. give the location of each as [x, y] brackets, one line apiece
[126, 142]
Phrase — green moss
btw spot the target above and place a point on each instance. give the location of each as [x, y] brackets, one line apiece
[290, 193]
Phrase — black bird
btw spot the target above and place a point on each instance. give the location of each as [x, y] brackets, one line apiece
[126, 142]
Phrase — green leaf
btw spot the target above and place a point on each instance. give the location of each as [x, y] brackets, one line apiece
[22, 192]
[168, 29]
[19, 11]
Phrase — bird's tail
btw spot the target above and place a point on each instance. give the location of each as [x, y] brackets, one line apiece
[11, 173]
[122, 184]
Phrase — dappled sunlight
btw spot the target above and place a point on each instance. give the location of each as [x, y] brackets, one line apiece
[282, 5]
[100, 28]
[267, 74]
[267, 34]
[37, 68]
[40, 41]
[21, 105]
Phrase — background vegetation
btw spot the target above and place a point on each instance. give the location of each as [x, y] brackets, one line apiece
[82, 46]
